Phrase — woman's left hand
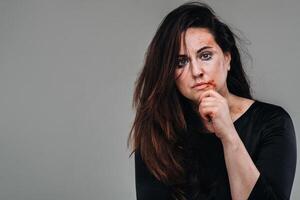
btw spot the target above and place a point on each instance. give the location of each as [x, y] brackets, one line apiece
[214, 110]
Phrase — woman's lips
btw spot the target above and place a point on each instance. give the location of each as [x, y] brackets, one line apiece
[201, 87]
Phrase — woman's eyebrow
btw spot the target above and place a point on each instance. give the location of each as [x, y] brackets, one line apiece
[203, 48]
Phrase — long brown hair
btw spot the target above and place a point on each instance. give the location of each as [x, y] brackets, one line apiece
[160, 124]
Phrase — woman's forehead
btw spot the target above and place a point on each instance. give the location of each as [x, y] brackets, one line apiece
[194, 39]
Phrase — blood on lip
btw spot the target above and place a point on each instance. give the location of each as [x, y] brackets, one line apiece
[205, 85]
[212, 83]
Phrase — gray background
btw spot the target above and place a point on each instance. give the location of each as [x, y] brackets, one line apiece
[67, 70]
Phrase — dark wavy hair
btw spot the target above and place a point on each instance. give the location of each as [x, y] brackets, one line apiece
[162, 113]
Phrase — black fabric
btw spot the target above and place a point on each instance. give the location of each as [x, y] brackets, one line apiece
[268, 134]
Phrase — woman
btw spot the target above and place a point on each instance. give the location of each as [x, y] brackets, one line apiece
[198, 133]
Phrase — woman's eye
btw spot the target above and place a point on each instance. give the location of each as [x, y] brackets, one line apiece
[181, 62]
[206, 56]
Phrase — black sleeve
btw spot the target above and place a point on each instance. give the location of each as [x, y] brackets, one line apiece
[276, 158]
[147, 186]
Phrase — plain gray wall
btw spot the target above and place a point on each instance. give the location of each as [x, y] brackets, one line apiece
[67, 70]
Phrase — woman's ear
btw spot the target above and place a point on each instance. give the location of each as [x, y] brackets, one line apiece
[227, 57]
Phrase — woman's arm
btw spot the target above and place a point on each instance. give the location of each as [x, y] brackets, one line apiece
[271, 175]
[241, 170]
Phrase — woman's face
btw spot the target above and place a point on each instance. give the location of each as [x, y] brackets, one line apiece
[201, 60]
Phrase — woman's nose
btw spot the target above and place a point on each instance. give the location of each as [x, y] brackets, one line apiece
[196, 69]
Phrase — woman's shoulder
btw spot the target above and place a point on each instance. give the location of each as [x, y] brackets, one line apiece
[268, 107]
[270, 112]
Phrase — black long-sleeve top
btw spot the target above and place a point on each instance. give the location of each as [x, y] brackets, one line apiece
[268, 134]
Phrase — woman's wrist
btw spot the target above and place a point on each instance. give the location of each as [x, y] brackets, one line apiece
[231, 140]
